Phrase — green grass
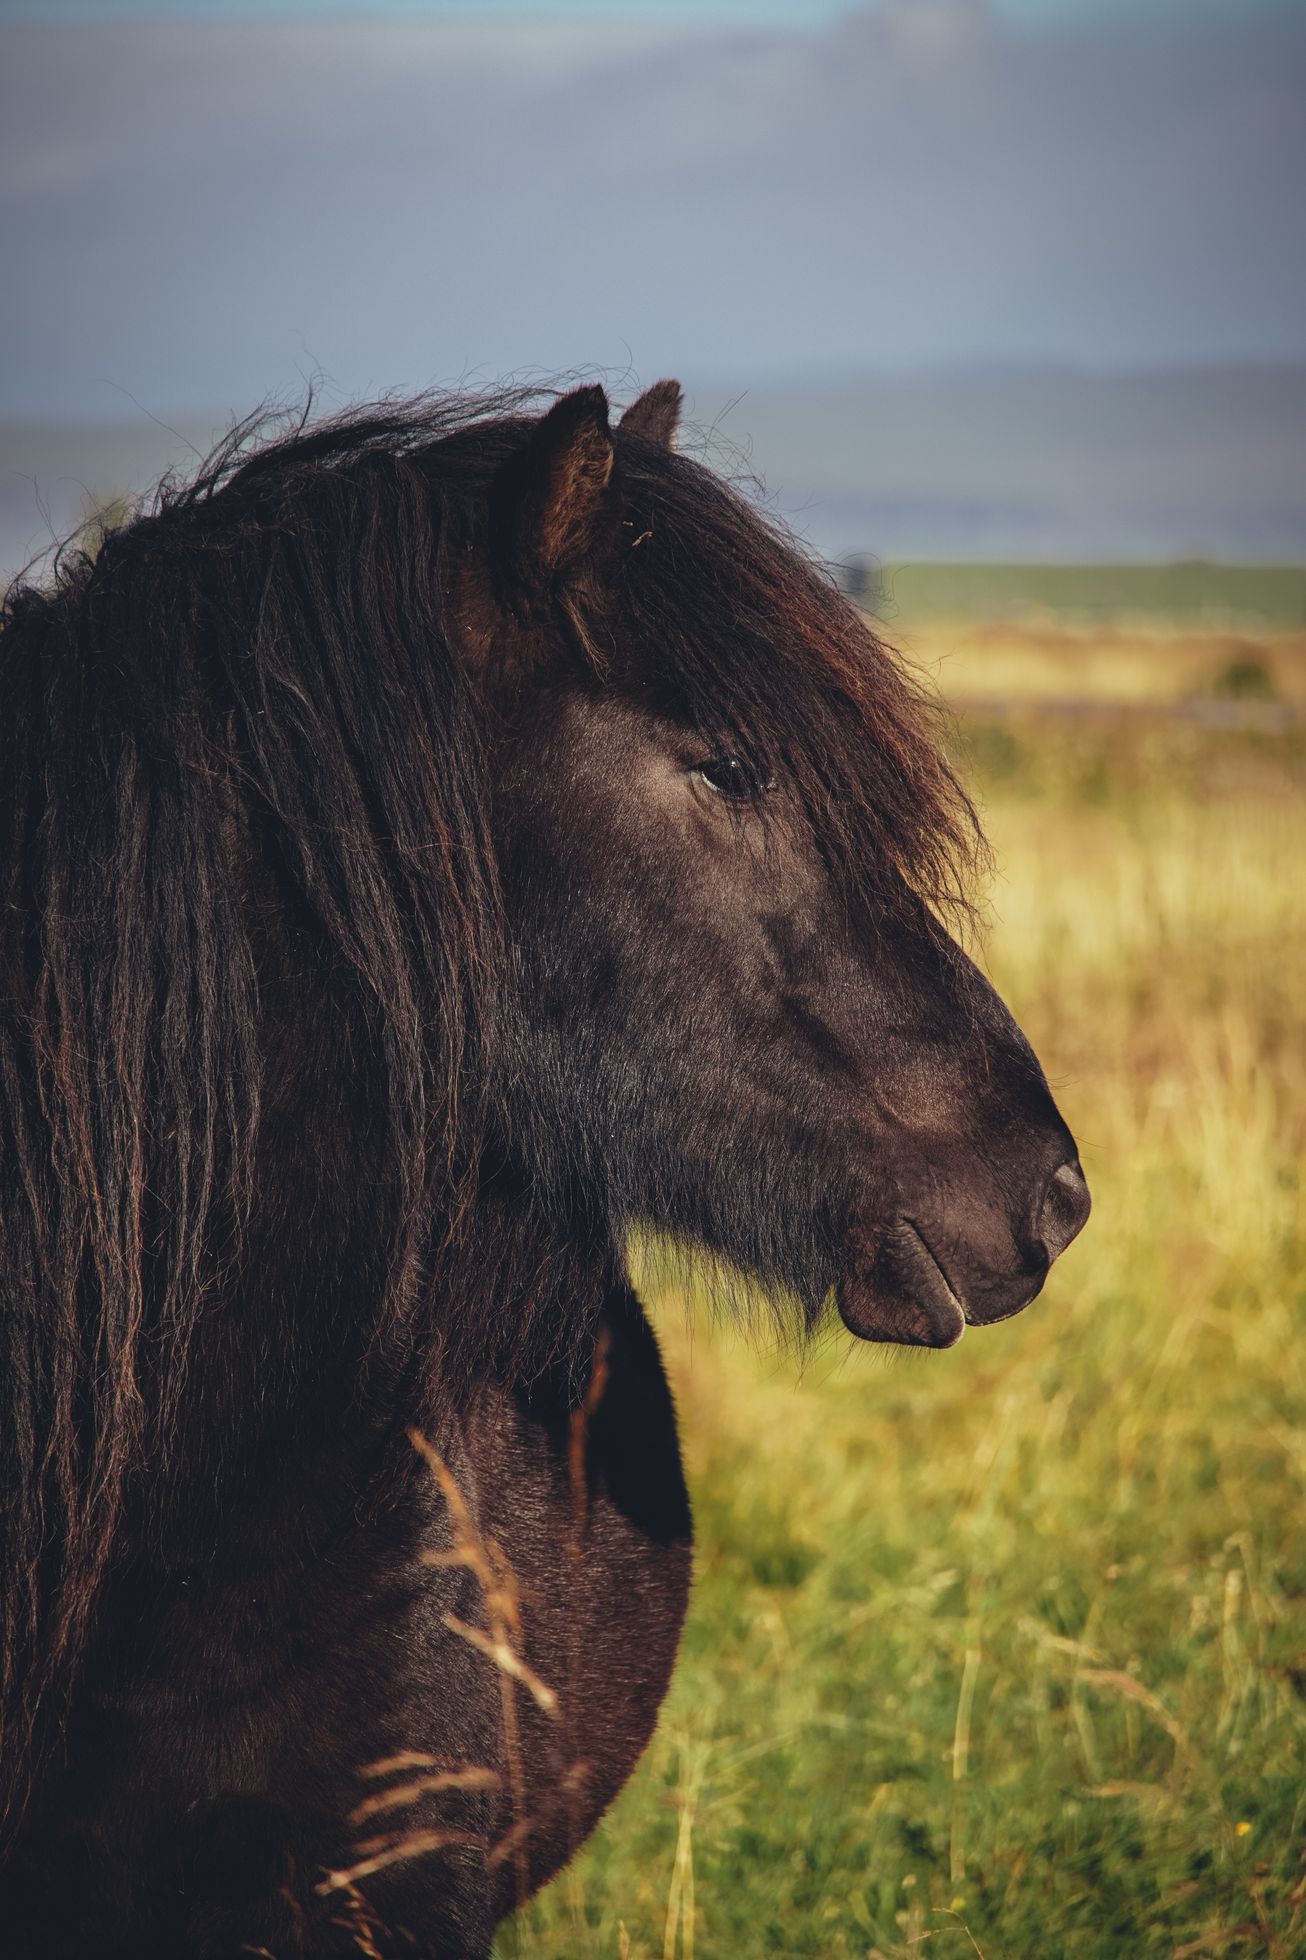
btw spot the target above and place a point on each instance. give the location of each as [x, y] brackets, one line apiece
[1193, 592]
[1005, 1649]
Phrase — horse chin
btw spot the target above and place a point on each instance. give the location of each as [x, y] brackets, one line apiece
[895, 1290]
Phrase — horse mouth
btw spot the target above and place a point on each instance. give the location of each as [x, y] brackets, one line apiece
[896, 1287]
[898, 1291]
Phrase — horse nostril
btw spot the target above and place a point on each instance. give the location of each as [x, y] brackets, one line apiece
[1066, 1205]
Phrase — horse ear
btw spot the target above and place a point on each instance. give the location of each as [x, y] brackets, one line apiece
[555, 501]
[655, 415]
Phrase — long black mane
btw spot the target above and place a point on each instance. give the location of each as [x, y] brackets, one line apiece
[241, 745]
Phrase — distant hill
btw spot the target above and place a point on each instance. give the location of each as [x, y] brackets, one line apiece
[1021, 465]
[1033, 465]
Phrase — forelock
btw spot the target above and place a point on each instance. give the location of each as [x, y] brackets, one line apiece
[752, 642]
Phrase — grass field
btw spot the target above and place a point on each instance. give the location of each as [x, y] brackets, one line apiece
[1192, 593]
[1003, 1651]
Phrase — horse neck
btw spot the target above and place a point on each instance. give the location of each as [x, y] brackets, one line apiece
[303, 1384]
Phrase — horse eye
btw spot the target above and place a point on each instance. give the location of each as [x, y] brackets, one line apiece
[734, 778]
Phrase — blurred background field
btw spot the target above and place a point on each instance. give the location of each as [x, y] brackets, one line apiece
[1004, 1650]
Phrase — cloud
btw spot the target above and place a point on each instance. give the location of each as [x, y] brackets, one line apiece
[198, 212]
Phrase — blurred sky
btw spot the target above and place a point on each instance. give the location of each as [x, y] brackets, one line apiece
[755, 12]
[202, 204]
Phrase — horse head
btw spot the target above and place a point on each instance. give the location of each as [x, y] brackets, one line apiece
[728, 843]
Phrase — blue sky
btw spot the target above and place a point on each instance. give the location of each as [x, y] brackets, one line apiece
[773, 12]
[198, 208]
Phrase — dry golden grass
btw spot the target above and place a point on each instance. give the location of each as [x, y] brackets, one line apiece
[1127, 664]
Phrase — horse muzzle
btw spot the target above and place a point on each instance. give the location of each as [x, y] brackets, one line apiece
[921, 1284]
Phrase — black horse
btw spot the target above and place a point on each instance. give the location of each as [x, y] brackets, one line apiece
[431, 843]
